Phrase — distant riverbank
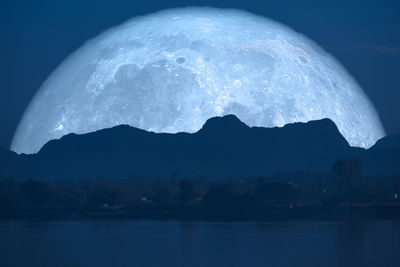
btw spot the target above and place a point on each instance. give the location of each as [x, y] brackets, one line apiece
[318, 213]
[297, 197]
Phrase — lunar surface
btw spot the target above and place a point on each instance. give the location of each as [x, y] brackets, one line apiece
[171, 71]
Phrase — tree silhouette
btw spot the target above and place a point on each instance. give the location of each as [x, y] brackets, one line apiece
[349, 177]
[349, 171]
[35, 192]
[187, 191]
[163, 196]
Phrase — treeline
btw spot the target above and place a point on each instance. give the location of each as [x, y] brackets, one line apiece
[344, 193]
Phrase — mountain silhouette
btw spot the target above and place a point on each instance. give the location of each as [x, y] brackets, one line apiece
[223, 147]
[384, 156]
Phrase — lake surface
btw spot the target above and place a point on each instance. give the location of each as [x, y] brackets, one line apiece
[192, 244]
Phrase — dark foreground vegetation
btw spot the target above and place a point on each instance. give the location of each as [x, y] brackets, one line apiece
[344, 193]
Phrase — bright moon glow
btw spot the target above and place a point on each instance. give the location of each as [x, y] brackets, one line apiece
[171, 71]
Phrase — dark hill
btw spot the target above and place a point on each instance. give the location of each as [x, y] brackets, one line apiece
[223, 147]
[384, 156]
[389, 141]
[9, 163]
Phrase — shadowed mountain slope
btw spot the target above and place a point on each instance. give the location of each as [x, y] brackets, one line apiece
[224, 146]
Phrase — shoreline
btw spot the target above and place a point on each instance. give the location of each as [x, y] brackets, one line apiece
[269, 214]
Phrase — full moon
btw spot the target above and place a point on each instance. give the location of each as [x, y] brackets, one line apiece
[171, 71]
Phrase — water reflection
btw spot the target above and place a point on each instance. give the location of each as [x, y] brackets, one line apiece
[199, 244]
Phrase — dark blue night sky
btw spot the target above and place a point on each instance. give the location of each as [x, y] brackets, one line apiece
[37, 35]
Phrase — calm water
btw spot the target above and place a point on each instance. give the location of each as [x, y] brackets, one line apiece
[199, 244]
